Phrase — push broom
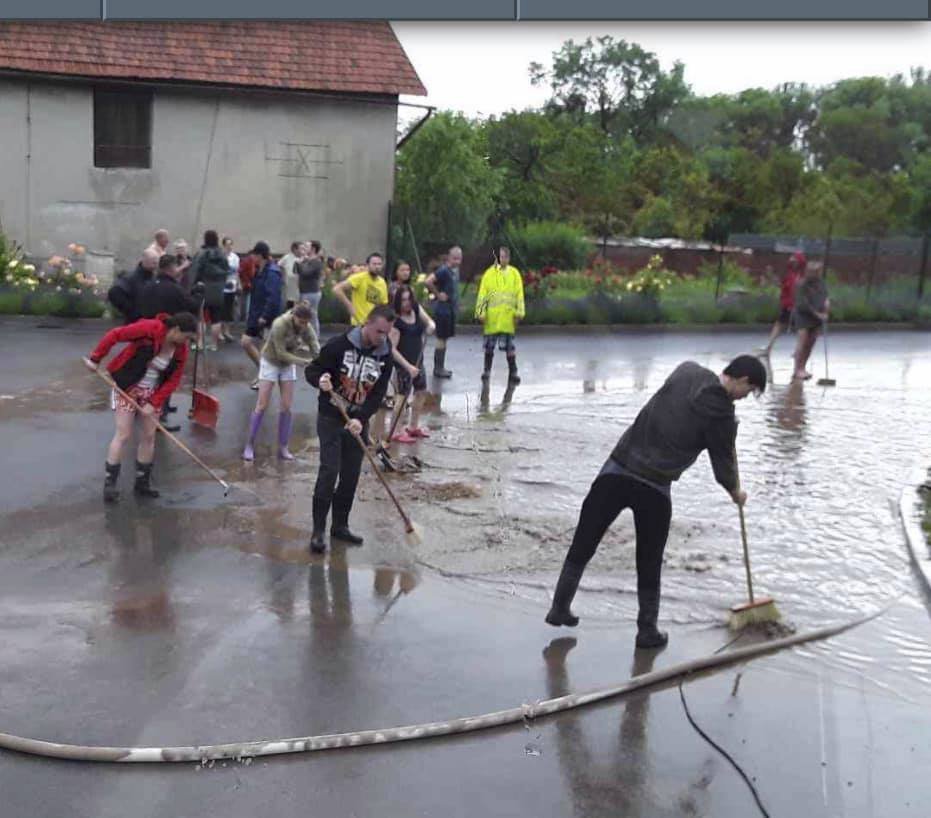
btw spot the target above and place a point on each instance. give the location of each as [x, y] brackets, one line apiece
[756, 610]
[412, 535]
[826, 380]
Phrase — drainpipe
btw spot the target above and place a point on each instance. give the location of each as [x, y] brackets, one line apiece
[27, 198]
[416, 127]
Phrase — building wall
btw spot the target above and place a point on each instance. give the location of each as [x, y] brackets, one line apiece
[252, 166]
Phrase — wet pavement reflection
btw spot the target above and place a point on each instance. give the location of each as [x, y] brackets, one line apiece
[187, 619]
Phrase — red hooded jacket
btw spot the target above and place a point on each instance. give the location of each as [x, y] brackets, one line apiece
[144, 339]
[794, 273]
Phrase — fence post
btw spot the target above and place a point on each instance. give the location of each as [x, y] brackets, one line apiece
[827, 250]
[924, 266]
[874, 256]
[717, 284]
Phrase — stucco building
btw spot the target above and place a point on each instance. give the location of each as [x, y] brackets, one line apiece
[260, 130]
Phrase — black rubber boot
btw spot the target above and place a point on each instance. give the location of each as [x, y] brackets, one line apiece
[317, 540]
[143, 484]
[340, 528]
[513, 377]
[648, 635]
[489, 359]
[439, 364]
[566, 586]
[110, 492]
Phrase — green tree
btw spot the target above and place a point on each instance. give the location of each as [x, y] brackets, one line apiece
[444, 181]
[523, 144]
[617, 84]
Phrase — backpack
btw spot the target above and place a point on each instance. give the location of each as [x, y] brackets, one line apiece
[121, 294]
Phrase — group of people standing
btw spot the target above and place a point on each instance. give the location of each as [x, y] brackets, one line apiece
[170, 298]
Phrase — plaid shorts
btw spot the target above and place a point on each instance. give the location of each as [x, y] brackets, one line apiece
[138, 393]
[504, 341]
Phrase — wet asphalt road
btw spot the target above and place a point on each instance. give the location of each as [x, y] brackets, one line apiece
[198, 620]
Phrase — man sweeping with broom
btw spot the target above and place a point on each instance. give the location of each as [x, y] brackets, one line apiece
[356, 366]
[691, 412]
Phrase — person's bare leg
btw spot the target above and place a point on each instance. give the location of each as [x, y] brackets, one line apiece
[215, 335]
[122, 434]
[248, 345]
[416, 409]
[145, 452]
[776, 331]
[284, 418]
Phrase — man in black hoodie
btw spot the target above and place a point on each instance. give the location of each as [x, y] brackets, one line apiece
[692, 411]
[356, 367]
[165, 294]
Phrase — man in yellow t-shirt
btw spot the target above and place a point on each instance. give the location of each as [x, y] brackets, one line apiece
[367, 289]
[499, 306]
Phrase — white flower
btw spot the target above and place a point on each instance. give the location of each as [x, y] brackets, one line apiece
[58, 289]
[29, 268]
[13, 264]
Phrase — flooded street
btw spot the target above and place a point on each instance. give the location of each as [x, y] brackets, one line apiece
[199, 619]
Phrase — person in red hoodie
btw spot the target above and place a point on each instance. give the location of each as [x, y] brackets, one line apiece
[148, 370]
[795, 269]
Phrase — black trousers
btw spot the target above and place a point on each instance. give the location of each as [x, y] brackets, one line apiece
[609, 495]
[340, 465]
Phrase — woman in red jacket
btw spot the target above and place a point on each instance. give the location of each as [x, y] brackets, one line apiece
[795, 270]
[148, 369]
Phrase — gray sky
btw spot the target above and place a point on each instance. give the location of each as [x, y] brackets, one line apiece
[481, 68]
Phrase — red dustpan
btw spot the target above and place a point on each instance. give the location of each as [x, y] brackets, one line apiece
[205, 408]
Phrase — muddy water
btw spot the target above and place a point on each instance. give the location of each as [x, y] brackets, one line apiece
[823, 467]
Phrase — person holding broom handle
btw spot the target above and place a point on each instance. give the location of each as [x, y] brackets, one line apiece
[691, 412]
[148, 370]
[356, 366]
[278, 364]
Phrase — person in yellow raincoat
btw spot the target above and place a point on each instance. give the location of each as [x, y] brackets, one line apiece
[499, 306]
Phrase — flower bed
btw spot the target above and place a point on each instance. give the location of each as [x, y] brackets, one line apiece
[54, 287]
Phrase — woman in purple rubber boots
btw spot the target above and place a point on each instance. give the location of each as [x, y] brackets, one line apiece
[278, 364]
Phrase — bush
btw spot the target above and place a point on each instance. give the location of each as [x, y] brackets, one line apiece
[550, 244]
[61, 305]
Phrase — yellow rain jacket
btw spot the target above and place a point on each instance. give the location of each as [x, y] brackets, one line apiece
[500, 299]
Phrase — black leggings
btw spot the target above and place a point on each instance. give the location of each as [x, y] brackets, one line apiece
[340, 459]
[609, 495]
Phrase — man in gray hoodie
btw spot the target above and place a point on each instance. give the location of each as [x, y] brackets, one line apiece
[691, 412]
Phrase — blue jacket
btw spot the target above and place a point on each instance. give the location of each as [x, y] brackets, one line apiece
[266, 295]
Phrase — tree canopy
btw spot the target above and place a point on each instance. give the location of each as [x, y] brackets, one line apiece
[623, 146]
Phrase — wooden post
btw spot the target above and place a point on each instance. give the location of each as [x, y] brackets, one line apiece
[924, 266]
[874, 256]
[717, 286]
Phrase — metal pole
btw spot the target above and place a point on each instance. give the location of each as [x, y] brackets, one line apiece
[873, 258]
[717, 286]
[924, 266]
[827, 249]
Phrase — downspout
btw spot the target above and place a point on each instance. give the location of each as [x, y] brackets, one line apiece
[416, 127]
[27, 197]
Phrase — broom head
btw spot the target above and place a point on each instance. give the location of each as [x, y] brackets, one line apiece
[827, 382]
[759, 611]
[412, 534]
[206, 409]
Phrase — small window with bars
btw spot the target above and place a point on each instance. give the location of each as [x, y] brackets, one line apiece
[122, 128]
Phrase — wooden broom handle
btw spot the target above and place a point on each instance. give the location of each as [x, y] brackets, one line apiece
[408, 525]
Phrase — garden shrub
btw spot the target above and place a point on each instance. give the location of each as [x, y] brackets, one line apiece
[550, 244]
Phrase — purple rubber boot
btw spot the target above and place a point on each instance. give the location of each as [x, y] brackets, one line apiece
[284, 434]
[249, 452]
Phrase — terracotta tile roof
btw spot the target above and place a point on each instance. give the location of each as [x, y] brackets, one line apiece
[351, 57]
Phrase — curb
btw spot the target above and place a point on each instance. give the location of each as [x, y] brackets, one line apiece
[918, 548]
